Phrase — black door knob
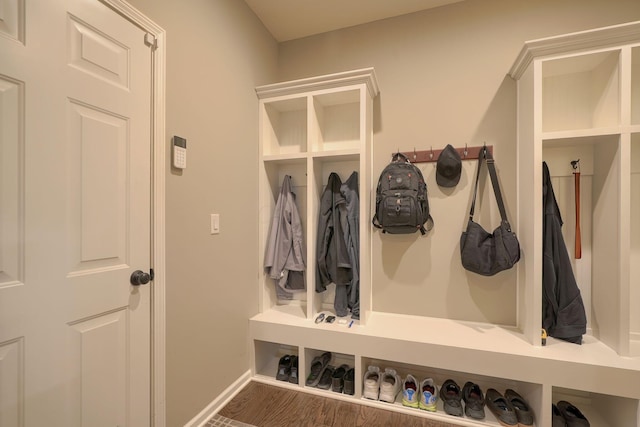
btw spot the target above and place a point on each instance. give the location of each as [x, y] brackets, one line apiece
[140, 278]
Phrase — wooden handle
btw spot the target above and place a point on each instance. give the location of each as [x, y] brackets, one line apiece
[576, 176]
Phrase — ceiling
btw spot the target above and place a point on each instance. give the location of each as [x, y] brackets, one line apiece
[293, 19]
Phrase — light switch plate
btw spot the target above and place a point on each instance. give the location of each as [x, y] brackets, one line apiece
[215, 223]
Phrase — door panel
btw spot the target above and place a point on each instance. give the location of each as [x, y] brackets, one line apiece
[11, 174]
[12, 19]
[75, 214]
[12, 382]
[101, 349]
[98, 208]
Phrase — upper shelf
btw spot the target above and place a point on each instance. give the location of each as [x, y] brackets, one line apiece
[581, 92]
[606, 37]
[315, 115]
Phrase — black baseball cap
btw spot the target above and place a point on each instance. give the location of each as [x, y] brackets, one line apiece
[448, 167]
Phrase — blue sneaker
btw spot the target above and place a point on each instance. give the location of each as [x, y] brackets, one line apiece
[410, 392]
[428, 395]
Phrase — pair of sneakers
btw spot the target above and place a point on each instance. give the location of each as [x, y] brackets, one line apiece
[423, 395]
[383, 386]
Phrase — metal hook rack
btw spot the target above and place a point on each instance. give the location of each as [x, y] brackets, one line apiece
[431, 155]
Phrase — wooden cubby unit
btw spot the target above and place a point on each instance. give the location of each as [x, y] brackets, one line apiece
[578, 97]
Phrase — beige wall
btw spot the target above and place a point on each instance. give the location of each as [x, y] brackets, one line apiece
[442, 75]
[443, 79]
[217, 52]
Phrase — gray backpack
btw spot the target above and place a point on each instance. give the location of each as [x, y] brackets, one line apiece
[401, 199]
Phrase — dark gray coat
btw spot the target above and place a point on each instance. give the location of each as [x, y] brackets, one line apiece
[333, 261]
[563, 314]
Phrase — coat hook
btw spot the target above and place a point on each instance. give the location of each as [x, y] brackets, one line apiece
[466, 152]
[575, 164]
[431, 153]
[415, 155]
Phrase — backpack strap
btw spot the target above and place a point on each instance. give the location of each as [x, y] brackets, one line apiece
[375, 221]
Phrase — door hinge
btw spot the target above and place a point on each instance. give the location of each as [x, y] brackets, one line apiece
[151, 41]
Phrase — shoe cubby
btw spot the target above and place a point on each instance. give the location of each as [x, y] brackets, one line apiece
[532, 393]
[581, 92]
[601, 410]
[335, 361]
[267, 356]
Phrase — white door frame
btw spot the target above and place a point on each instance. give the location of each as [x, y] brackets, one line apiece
[158, 326]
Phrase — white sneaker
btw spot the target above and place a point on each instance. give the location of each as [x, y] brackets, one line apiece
[371, 383]
[428, 395]
[389, 385]
[410, 392]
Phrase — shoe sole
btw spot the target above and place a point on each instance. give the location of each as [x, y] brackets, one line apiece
[387, 398]
[430, 408]
[457, 411]
[370, 395]
[409, 404]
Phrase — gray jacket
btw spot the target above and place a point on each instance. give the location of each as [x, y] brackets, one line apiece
[284, 258]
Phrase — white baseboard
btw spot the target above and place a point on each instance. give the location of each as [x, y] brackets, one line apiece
[220, 401]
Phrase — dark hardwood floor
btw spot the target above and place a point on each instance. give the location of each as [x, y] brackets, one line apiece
[269, 406]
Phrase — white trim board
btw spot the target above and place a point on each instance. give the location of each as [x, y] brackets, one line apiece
[220, 401]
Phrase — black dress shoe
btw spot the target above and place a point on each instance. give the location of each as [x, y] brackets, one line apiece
[501, 408]
[557, 420]
[325, 378]
[318, 365]
[572, 415]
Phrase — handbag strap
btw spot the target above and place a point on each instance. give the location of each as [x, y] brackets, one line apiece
[486, 155]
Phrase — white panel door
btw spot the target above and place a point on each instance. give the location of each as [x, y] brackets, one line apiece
[75, 216]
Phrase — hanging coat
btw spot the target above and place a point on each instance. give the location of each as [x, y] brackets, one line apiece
[333, 262]
[563, 314]
[349, 191]
[284, 259]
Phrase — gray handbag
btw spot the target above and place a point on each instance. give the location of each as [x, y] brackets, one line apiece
[488, 253]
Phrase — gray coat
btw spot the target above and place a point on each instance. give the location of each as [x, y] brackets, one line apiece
[284, 258]
[349, 190]
[563, 314]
